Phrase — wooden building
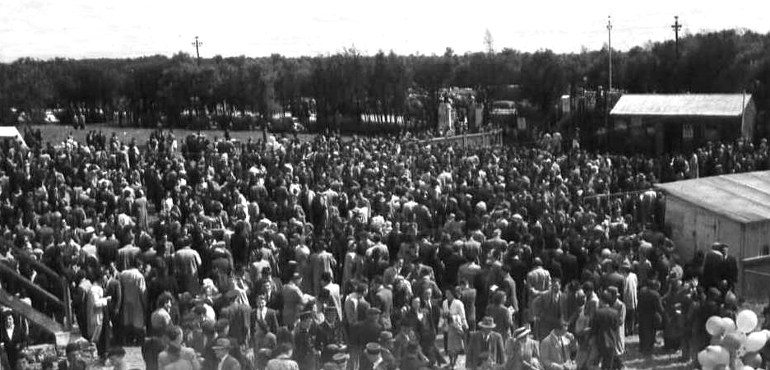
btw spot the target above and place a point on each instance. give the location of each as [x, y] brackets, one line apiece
[658, 123]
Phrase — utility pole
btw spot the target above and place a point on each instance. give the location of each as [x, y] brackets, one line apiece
[676, 27]
[197, 44]
[607, 94]
[609, 49]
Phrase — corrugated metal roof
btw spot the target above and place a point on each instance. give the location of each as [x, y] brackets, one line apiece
[714, 105]
[741, 197]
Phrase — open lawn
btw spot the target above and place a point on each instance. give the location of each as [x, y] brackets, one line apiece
[55, 133]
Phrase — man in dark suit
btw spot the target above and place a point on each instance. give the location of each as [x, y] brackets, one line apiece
[329, 333]
[569, 266]
[383, 299]
[452, 265]
[264, 320]
[485, 340]
[509, 287]
[368, 330]
[433, 308]
[428, 333]
[13, 342]
[468, 298]
[426, 283]
[364, 332]
[729, 270]
[605, 326]
[73, 361]
[714, 263]
[611, 276]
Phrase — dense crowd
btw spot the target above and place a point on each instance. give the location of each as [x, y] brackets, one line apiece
[358, 253]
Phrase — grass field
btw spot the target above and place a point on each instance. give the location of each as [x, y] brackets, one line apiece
[56, 134]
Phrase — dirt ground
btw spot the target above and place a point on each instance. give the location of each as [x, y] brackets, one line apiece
[632, 359]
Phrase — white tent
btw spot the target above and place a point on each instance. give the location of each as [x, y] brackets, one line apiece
[11, 132]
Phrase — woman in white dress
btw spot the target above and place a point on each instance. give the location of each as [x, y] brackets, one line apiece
[453, 324]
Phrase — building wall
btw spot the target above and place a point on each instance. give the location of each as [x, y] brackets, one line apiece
[694, 228]
[656, 135]
[754, 266]
[755, 278]
[757, 242]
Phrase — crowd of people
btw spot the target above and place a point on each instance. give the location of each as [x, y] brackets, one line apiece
[357, 253]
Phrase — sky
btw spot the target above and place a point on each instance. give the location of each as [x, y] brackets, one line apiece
[45, 29]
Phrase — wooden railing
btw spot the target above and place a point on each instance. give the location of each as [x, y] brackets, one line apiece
[42, 319]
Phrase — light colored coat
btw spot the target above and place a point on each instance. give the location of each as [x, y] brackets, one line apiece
[630, 289]
[455, 331]
[555, 350]
[95, 307]
[134, 298]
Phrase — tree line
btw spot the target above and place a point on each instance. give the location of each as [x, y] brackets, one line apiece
[339, 88]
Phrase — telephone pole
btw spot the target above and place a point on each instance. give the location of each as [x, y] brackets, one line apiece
[676, 27]
[609, 50]
[607, 94]
[197, 44]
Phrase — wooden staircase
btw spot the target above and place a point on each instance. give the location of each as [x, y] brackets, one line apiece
[62, 330]
[31, 314]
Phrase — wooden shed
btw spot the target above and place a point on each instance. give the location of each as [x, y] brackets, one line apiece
[659, 123]
[731, 209]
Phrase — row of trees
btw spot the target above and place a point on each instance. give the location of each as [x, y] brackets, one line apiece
[347, 84]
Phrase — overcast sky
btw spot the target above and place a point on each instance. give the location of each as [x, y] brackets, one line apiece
[121, 28]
